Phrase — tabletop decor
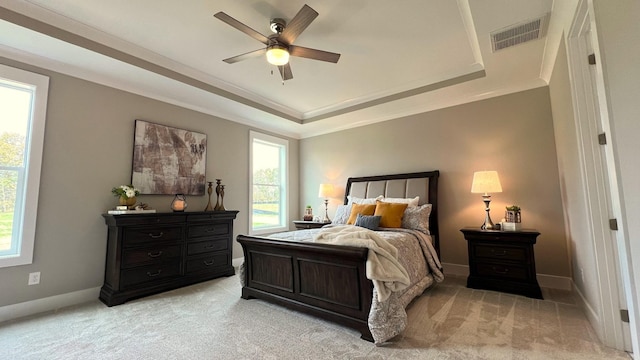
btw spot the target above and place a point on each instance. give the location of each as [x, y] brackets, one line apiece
[126, 194]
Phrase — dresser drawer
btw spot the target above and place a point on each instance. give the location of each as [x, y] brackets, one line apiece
[207, 262]
[150, 254]
[212, 229]
[503, 271]
[140, 235]
[206, 246]
[500, 252]
[149, 273]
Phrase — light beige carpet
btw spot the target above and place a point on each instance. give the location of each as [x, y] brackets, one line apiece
[211, 321]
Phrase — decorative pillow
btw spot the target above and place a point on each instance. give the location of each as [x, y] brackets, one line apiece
[364, 209]
[391, 214]
[417, 218]
[368, 221]
[413, 202]
[342, 215]
[357, 200]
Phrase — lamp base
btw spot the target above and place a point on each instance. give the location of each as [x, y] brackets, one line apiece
[326, 211]
[488, 224]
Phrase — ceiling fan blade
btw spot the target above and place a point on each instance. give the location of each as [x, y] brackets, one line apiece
[245, 56]
[314, 54]
[296, 26]
[242, 27]
[285, 72]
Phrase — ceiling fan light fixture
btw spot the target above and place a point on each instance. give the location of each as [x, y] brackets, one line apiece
[277, 55]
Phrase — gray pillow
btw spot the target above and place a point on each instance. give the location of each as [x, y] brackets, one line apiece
[417, 218]
[370, 222]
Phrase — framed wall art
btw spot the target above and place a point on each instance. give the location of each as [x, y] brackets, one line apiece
[168, 160]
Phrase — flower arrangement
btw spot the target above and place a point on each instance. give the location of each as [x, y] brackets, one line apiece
[125, 191]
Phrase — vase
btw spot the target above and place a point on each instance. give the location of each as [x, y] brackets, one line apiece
[127, 201]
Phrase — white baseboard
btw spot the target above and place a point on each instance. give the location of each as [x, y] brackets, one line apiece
[27, 308]
[546, 281]
[592, 316]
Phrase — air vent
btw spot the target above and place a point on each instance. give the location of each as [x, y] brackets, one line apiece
[520, 33]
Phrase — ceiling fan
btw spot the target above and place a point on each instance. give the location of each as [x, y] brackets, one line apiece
[279, 46]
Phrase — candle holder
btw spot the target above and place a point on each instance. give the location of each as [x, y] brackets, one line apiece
[179, 203]
[209, 191]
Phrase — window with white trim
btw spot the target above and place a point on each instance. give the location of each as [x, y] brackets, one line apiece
[23, 107]
[268, 183]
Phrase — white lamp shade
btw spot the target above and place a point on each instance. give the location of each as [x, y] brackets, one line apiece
[277, 55]
[325, 191]
[486, 182]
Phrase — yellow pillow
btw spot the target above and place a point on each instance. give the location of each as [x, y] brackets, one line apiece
[391, 214]
[364, 209]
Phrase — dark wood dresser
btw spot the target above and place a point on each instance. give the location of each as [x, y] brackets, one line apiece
[151, 253]
[502, 261]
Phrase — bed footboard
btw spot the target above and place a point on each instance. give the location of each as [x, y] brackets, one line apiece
[323, 280]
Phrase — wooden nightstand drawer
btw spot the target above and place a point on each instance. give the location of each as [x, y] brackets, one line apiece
[140, 235]
[149, 255]
[500, 252]
[143, 274]
[195, 231]
[502, 271]
[206, 246]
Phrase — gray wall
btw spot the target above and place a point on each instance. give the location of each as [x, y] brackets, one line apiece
[88, 150]
[512, 134]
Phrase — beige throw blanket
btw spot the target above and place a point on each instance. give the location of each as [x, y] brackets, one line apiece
[383, 267]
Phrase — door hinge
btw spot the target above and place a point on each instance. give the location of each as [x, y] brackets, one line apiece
[592, 59]
[624, 315]
[602, 139]
[613, 224]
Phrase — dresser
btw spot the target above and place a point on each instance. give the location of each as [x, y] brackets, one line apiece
[502, 261]
[151, 253]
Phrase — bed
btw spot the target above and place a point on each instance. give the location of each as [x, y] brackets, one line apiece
[330, 281]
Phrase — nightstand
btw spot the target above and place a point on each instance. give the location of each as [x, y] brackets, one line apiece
[309, 224]
[502, 261]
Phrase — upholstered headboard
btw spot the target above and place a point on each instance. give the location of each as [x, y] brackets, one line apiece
[422, 184]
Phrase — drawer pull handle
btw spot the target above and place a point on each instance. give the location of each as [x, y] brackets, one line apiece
[502, 253]
[210, 246]
[210, 230]
[150, 274]
[156, 236]
[208, 262]
[500, 271]
[154, 255]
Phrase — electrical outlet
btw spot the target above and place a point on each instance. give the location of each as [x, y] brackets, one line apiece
[582, 274]
[34, 278]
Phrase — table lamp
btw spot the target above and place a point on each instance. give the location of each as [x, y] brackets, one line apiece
[485, 182]
[325, 191]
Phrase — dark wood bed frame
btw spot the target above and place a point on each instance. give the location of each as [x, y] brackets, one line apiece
[327, 281]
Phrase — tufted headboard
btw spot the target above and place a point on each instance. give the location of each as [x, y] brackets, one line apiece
[410, 185]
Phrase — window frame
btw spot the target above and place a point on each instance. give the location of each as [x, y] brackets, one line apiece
[284, 176]
[34, 145]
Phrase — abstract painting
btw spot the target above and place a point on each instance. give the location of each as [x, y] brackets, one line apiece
[168, 160]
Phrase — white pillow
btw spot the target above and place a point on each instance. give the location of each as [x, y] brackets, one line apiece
[417, 218]
[342, 214]
[412, 202]
[357, 200]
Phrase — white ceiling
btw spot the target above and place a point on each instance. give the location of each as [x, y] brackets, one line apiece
[397, 58]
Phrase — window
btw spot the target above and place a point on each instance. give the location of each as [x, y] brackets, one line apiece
[268, 192]
[23, 102]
